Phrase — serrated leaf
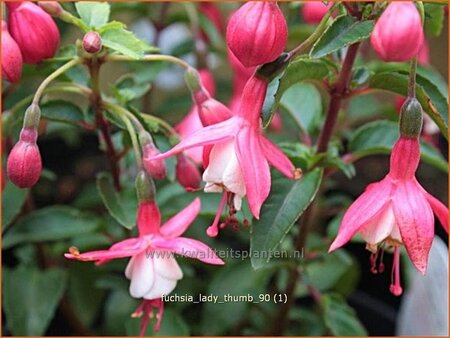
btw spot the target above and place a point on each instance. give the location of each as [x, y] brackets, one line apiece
[343, 32]
[298, 70]
[123, 41]
[434, 18]
[93, 14]
[113, 202]
[286, 203]
[49, 224]
[62, 111]
[432, 100]
[304, 103]
[379, 137]
[339, 317]
[127, 88]
[13, 199]
[30, 298]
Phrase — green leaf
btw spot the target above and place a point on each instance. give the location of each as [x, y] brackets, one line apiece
[62, 111]
[127, 88]
[379, 137]
[124, 42]
[50, 224]
[343, 32]
[434, 18]
[298, 70]
[113, 201]
[93, 14]
[433, 102]
[13, 199]
[339, 317]
[304, 103]
[30, 298]
[286, 203]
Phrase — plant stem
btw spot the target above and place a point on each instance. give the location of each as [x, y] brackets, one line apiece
[338, 92]
[52, 76]
[152, 57]
[102, 124]
[412, 78]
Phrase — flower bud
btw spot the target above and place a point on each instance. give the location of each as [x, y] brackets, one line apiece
[24, 165]
[212, 111]
[156, 168]
[411, 118]
[257, 33]
[145, 188]
[34, 31]
[32, 117]
[398, 34]
[51, 7]
[92, 42]
[314, 11]
[187, 173]
[11, 57]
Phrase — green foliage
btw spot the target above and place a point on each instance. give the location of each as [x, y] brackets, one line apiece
[434, 18]
[30, 298]
[13, 199]
[62, 111]
[283, 207]
[93, 14]
[343, 32]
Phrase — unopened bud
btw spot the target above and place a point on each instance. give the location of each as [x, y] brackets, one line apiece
[411, 118]
[92, 42]
[187, 173]
[51, 7]
[145, 188]
[213, 111]
[24, 165]
[156, 168]
[32, 116]
[11, 56]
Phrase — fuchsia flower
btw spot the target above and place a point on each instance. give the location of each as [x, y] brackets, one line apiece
[156, 169]
[11, 57]
[240, 156]
[152, 269]
[34, 31]
[187, 173]
[398, 34]
[396, 211]
[24, 164]
[257, 33]
[314, 11]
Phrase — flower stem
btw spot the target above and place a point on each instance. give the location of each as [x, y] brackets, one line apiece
[152, 57]
[52, 76]
[412, 78]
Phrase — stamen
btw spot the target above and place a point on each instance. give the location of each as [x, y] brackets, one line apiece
[395, 287]
[373, 262]
[213, 230]
[381, 264]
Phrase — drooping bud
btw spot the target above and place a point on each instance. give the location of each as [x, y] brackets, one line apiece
[411, 118]
[212, 111]
[51, 7]
[11, 57]
[24, 165]
[398, 34]
[34, 31]
[92, 42]
[257, 33]
[314, 11]
[145, 188]
[187, 173]
[156, 168]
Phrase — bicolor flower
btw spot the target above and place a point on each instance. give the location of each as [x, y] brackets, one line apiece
[152, 269]
[240, 156]
[395, 211]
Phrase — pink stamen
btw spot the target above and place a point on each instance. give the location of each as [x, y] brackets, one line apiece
[373, 262]
[395, 287]
[146, 309]
[213, 230]
[381, 264]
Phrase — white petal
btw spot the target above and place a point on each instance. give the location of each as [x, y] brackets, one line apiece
[237, 202]
[129, 268]
[142, 275]
[167, 267]
[218, 161]
[380, 227]
[161, 287]
[212, 187]
[232, 176]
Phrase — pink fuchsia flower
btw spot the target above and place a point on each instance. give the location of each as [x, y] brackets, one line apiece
[240, 156]
[156, 169]
[314, 11]
[191, 122]
[34, 31]
[395, 211]
[187, 173]
[24, 165]
[152, 269]
[423, 58]
[398, 34]
[257, 33]
[11, 56]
